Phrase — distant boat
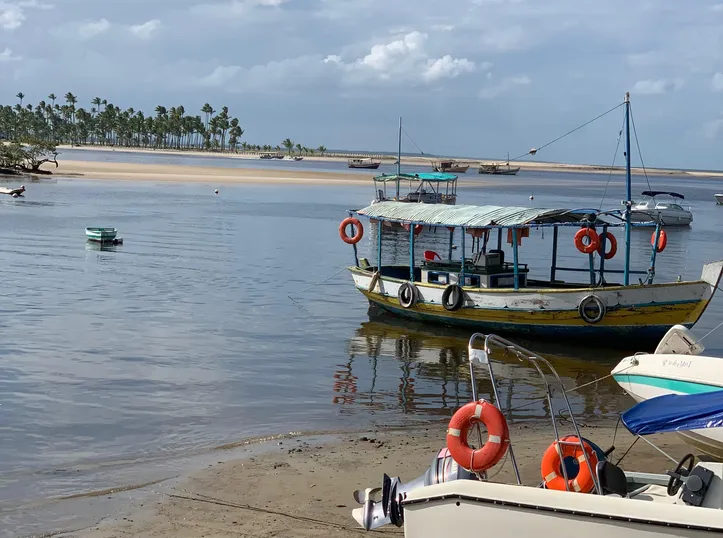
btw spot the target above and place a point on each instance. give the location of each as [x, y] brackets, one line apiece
[451, 167]
[296, 158]
[499, 169]
[719, 199]
[667, 211]
[101, 234]
[370, 164]
[266, 156]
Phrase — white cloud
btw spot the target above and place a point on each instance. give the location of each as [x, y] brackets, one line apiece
[657, 86]
[233, 8]
[717, 7]
[12, 14]
[505, 85]
[718, 82]
[7, 56]
[404, 59]
[220, 76]
[91, 29]
[146, 30]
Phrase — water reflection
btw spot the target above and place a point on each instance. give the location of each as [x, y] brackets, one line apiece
[423, 370]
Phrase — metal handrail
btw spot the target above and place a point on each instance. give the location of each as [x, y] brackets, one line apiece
[539, 363]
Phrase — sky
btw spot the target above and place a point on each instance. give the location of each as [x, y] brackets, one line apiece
[474, 78]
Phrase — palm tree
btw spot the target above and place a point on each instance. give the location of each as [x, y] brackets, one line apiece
[20, 96]
[298, 148]
[52, 97]
[321, 149]
[288, 144]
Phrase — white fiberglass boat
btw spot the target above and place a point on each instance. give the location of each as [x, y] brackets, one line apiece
[666, 211]
[598, 501]
[676, 367]
[719, 199]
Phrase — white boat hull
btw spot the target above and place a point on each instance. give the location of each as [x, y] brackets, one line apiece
[665, 218]
[719, 199]
[646, 376]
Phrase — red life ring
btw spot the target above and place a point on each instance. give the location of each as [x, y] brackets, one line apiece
[498, 439]
[662, 241]
[552, 465]
[359, 231]
[609, 239]
[593, 238]
[417, 228]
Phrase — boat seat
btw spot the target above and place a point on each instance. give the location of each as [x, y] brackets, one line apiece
[612, 479]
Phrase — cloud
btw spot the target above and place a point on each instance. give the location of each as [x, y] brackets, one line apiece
[505, 85]
[12, 14]
[91, 29]
[7, 56]
[404, 59]
[233, 8]
[657, 86]
[718, 82]
[146, 30]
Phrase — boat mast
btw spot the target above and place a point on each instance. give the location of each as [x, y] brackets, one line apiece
[399, 155]
[628, 185]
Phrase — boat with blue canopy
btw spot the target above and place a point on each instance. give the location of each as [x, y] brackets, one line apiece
[423, 188]
[663, 207]
[486, 287]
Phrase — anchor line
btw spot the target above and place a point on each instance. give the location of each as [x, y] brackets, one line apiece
[327, 279]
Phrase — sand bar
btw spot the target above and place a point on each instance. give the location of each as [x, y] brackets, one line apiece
[301, 490]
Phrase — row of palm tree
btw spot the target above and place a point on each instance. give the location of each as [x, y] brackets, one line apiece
[105, 124]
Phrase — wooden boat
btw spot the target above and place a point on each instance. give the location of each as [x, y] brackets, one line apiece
[492, 292]
[452, 167]
[267, 156]
[296, 158]
[13, 192]
[370, 164]
[498, 169]
[424, 188]
[101, 234]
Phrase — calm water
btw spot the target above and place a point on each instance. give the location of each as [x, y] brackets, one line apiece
[118, 366]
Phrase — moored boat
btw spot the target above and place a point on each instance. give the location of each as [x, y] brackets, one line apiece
[492, 291]
[452, 167]
[667, 212]
[370, 164]
[498, 169]
[719, 199]
[424, 188]
[101, 234]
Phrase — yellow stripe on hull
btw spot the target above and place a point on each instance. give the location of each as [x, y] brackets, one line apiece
[660, 315]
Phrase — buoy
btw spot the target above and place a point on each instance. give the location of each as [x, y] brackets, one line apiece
[216, 191]
[15, 195]
[532, 197]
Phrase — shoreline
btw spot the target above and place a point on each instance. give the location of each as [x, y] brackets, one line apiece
[408, 161]
[306, 488]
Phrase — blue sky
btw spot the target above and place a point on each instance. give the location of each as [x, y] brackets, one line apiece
[470, 77]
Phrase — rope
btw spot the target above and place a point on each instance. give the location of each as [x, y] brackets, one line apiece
[612, 166]
[637, 143]
[572, 131]
[415, 145]
[317, 283]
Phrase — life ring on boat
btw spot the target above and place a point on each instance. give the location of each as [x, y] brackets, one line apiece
[585, 306]
[417, 228]
[662, 241]
[408, 295]
[453, 297]
[551, 467]
[374, 281]
[593, 240]
[498, 436]
[359, 231]
[609, 240]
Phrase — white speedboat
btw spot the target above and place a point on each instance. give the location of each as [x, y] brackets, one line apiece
[663, 208]
[687, 502]
[676, 367]
[719, 199]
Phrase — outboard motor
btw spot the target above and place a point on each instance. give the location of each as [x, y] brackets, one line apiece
[376, 513]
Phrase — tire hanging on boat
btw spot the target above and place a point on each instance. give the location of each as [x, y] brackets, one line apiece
[453, 297]
[408, 295]
[498, 438]
[359, 231]
[585, 305]
[551, 467]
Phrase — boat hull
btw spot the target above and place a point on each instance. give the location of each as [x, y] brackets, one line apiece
[719, 199]
[500, 172]
[633, 313]
[101, 234]
[646, 376]
[665, 219]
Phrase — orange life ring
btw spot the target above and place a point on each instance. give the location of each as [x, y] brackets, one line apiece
[498, 438]
[662, 241]
[359, 231]
[609, 239]
[552, 466]
[592, 236]
[417, 228]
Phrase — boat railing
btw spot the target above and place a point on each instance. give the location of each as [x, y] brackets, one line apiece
[482, 357]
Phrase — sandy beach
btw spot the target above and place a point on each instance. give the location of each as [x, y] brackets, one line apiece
[299, 489]
[386, 159]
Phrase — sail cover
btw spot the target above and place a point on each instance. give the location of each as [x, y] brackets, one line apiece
[675, 412]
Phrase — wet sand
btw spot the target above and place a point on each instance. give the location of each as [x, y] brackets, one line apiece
[298, 489]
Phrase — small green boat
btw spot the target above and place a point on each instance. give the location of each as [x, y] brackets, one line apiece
[101, 234]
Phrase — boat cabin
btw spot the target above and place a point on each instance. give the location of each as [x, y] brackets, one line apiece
[425, 188]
